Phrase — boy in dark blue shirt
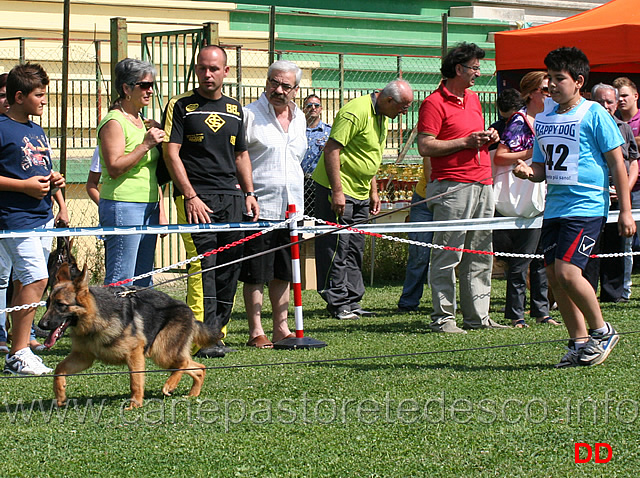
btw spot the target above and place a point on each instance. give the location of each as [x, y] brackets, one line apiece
[27, 183]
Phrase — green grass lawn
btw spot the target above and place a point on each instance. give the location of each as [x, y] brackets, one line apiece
[406, 403]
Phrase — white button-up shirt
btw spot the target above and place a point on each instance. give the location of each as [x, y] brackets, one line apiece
[278, 179]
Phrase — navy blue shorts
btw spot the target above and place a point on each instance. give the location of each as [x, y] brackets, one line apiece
[570, 239]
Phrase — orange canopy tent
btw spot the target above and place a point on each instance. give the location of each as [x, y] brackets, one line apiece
[609, 35]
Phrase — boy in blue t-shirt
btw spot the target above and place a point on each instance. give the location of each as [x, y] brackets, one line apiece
[26, 184]
[577, 143]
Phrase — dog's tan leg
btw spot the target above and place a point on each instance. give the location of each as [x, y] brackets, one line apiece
[172, 382]
[197, 376]
[136, 363]
[74, 363]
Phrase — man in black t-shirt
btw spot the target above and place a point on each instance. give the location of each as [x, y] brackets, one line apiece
[207, 158]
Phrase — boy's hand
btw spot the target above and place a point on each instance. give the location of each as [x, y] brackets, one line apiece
[522, 170]
[37, 186]
[57, 180]
[626, 224]
[62, 219]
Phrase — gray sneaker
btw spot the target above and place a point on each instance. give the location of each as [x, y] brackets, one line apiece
[570, 359]
[486, 324]
[598, 347]
[447, 327]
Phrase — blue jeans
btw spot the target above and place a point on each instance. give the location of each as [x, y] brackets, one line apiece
[128, 256]
[628, 247]
[418, 261]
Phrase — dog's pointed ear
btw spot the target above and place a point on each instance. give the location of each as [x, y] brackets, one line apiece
[82, 281]
[63, 273]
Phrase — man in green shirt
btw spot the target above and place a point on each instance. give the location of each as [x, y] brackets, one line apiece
[346, 191]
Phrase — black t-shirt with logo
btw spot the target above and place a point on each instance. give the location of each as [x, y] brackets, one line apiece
[210, 133]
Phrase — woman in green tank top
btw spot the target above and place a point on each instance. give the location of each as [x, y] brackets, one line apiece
[128, 156]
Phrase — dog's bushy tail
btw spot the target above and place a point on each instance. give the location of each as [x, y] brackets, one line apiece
[205, 336]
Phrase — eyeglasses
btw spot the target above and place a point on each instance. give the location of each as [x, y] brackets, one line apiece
[145, 85]
[312, 105]
[544, 89]
[474, 68]
[285, 87]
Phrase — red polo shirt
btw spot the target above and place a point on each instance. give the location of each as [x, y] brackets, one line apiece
[445, 116]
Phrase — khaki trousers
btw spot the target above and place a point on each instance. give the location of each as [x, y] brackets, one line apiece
[472, 201]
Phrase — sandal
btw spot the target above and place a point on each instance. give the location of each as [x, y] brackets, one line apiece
[519, 324]
[547, 320]
[260, 342]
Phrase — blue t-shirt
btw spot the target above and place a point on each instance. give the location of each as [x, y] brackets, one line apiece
[24, 152]
[590, 198]
[316, 139]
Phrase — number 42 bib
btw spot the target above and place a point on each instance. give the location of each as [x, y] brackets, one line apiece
[559, 139]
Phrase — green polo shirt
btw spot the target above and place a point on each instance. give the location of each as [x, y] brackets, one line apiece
[139, 184]
[363, 133]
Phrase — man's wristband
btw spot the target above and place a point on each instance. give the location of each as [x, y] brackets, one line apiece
[192, 197]
[250, 194]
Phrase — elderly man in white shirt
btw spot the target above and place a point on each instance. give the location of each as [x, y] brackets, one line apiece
[277, 142]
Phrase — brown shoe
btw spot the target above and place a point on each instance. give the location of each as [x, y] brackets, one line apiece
[260, 342]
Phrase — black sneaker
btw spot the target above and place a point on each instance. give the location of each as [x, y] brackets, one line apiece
[215, 351]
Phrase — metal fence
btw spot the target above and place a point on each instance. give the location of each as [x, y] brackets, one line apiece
[334, 77]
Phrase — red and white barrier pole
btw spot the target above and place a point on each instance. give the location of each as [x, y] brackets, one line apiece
[299, 341]
[297, 276]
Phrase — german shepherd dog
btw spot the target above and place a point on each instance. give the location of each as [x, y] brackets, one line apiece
[123, 325]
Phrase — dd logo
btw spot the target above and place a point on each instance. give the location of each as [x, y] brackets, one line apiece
[597, 454]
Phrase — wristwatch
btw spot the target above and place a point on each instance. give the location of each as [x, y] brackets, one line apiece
[250, 193]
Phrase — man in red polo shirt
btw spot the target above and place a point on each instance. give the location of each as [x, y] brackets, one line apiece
[452, 134]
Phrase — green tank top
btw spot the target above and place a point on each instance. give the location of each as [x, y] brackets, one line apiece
[139, 184]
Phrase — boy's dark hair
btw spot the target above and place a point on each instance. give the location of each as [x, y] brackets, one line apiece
[3, 80]
[25, 78]
[569, 59]
[460, 54]
[509, 100]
